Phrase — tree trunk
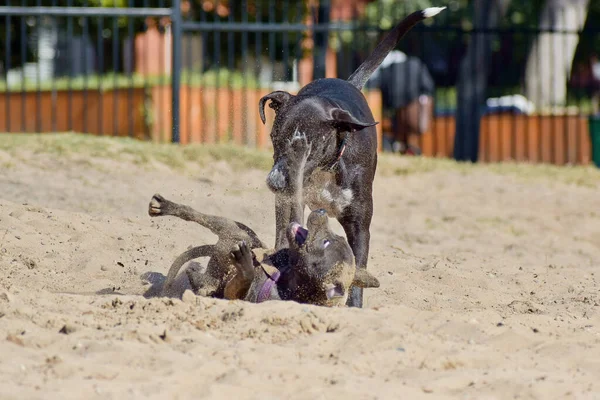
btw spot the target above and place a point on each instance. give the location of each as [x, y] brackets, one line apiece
[551, 55]
[472, 78]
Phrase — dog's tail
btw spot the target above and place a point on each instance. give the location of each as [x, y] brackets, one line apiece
[195, 252]
[364, 71]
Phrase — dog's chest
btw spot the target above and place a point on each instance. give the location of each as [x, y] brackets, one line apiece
[322, 192]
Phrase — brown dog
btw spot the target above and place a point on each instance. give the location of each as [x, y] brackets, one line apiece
[318, 267]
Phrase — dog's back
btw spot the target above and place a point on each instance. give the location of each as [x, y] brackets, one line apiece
[343, 93]
[346, 96]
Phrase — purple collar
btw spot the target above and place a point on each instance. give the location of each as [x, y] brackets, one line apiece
[265, 291]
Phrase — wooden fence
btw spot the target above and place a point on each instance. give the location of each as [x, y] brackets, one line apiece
[218, 115]
[554, 139]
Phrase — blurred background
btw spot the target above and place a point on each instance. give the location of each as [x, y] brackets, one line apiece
[485, 80]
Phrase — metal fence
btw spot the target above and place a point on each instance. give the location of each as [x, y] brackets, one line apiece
[188, 71]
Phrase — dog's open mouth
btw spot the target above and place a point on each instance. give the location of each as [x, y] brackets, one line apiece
[300, 234]
[334, 291]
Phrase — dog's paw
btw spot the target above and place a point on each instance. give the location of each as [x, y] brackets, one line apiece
[152, 278]
[245, 249]
[242, 255]
[157, 206]
[237, 252]
[299, 143]
[299, 137]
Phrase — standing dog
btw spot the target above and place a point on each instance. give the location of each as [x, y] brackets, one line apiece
[333, 115]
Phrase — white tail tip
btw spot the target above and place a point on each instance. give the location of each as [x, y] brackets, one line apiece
[432, 11]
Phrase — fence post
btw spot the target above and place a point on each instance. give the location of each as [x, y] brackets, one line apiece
[472, 78]
[176, 21]
[321, 40]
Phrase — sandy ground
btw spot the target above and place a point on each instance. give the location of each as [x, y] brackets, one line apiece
[489, 290]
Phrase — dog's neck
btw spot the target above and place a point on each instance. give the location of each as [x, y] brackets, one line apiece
[280, 273]
[268, 284]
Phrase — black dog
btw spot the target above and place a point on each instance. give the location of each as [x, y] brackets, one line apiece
[339, 173]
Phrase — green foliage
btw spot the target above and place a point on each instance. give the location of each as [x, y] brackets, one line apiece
[208, 79]
[265, 11]
[448, 41]
[510, 49]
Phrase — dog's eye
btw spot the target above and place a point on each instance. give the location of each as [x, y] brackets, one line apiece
[326, 243]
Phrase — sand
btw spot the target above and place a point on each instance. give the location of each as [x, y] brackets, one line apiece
[489, 288]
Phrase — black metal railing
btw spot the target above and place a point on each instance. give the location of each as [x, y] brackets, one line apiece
[191, 71]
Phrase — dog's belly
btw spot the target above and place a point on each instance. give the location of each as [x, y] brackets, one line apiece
[321, 192]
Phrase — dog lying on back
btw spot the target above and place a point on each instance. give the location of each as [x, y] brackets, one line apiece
[317, 267]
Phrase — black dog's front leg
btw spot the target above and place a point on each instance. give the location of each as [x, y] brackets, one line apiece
[287, 210]
[282, 219]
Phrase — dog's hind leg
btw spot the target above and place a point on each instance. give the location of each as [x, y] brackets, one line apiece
[359, 236]
[224, 228]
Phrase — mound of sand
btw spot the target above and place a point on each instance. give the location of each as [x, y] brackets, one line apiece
[488, 287]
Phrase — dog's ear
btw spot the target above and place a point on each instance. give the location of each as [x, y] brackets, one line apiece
[278, 98]
[364, 279]
[346, 122]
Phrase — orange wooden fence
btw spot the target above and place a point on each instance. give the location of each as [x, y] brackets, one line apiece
[99, 113]
[210, 115]
[218, 115]
[555, 139]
